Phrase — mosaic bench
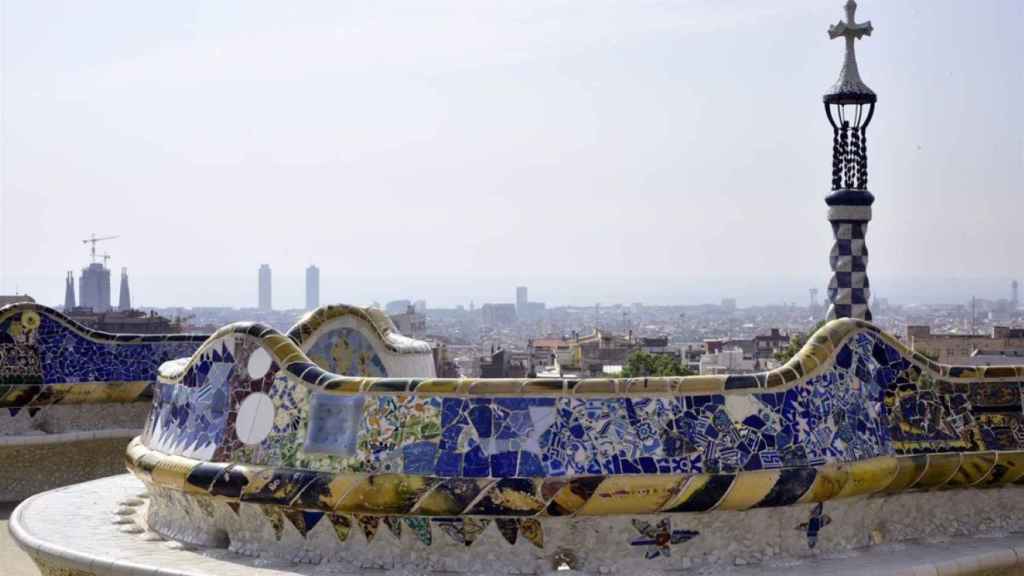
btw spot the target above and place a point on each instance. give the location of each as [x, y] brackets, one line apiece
[291, 446]
[71, 397]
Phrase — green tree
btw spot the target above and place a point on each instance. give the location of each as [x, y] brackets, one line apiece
[796, 342]
[640, 364]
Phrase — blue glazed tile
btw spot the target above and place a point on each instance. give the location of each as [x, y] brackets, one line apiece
[419, 457]
[449, 464]
[450, 438]
[513, 404]
[503, 464]
[844, 358]
[482, 420]
[530, 465]
[451, 411]
[476, 464]
[629, 466]
[555, 467]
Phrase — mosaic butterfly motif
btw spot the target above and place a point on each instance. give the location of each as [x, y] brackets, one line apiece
[814, 524]
[659, 538]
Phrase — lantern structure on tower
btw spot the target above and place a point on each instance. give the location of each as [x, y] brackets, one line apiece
[849, 106]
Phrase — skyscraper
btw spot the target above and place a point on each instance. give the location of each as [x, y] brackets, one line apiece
[312, 287]
[124, 297]
[69, 291]
[1015, 294]
[521, 300]
[265, 301]
[94, 287]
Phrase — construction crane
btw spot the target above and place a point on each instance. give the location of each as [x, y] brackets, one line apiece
[93, 240]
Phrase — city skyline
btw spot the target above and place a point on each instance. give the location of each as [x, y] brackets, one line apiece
[289, 291]
[293, 291]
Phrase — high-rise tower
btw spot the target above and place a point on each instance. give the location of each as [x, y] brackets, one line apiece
[849, 106]
[94, 287]
[265, 302]
[124, 297]
[312, 288]
[522, 298]
[1014, 294]
[69, 292]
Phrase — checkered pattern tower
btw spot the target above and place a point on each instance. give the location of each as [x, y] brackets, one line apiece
[849, 106]
[849, 290]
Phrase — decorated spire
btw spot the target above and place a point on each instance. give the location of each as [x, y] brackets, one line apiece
[849, 106]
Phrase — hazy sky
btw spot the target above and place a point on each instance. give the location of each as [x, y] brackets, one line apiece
[611, 151]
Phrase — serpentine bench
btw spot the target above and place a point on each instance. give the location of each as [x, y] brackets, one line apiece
[289, 446]
[71, 397]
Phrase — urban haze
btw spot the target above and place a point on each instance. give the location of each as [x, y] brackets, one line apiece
[668, 153]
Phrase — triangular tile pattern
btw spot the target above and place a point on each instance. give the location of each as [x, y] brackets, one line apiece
[509, 529]
[303, 521]
[421, 528]
[463, 530]
[394, 524]
[342, 526]
[369, 524]
[532, 530]
[275, 517]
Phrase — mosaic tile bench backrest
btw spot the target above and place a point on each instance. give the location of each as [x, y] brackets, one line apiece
[46, 358]
[346, 428]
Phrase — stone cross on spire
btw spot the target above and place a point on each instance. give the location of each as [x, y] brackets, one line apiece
[850, 88]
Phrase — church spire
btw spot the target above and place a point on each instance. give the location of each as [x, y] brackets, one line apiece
[69, 292]
[124, 299]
